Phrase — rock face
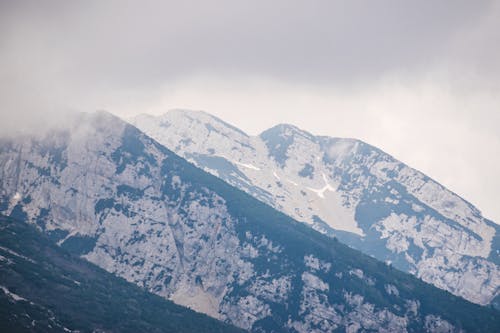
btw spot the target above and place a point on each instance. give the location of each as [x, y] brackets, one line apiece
[351, 190]
[108, 192]
[43, 289]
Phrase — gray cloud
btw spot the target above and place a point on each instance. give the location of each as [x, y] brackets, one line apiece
[418, 78]
[132, 43]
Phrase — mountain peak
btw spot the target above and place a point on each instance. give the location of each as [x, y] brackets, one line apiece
[338, 185]
[286, 130]
[179, 115]
[127, 204]
[199, 114]
[280, 137]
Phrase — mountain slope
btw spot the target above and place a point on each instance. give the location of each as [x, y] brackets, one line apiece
[106, 191]
[351, 190]
[45, 289]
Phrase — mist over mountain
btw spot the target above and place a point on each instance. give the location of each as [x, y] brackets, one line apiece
[107, 192]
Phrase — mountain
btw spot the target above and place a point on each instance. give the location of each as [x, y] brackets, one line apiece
[350, 190]
[43, 288]
[105, 191]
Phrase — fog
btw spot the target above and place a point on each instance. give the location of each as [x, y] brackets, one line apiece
[420, 79]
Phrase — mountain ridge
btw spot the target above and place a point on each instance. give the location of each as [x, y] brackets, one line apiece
[350, 190]
[131, 206]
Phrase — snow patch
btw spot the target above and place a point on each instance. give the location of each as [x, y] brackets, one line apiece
[248, 166]
[14, 253]
[321, 192]
[15, 297]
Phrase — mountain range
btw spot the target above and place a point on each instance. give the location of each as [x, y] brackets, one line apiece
[350, 190]
[105, 191]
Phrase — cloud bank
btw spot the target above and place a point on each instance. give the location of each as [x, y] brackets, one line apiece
[420, 80]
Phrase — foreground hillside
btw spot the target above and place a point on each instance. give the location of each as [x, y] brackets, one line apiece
[45, 289]
[106, 191]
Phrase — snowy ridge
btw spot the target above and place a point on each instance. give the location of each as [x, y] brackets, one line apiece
[350, 190]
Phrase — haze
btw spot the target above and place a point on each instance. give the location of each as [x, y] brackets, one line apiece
[418, 79]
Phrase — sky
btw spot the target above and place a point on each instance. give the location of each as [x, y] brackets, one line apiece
[418, 79]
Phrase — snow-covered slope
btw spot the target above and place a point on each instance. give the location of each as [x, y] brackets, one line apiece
[106, 191]
[350, 190]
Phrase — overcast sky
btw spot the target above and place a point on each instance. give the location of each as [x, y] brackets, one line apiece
[419, 79]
